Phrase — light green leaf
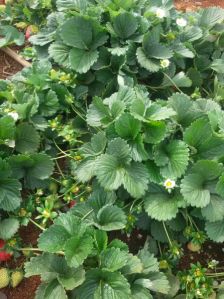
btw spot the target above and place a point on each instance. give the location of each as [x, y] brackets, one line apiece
[7, 128]
[139, 292]
[154, 131]
[149, 262]
[120, 149]
[156, 112]
[133, 265]
[95, 147]
[100, 240]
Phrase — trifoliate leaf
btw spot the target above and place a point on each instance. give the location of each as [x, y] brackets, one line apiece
[24, 142]
[215, 231]
[173, 158]
[113, 259]
[125, 25]
[77, 249]
[110, 218]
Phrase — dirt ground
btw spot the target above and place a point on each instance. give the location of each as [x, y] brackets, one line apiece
[27, 288]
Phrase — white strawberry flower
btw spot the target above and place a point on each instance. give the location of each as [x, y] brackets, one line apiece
[11, 143]
[14, 115]
[160, 13]
[169, 184]
[164, 63]
[181, 22]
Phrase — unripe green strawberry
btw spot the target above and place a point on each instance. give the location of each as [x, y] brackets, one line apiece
[16, 278]
[4, 278]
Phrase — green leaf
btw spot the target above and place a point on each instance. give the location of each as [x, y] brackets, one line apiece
[8, 228]
[53, 239]
[97, 113]
[135, 179]
[173, 158]
[77, 250]
[82, 60]
[151, 65]
[108, 172]
[154, 131]
[77, 32]
[214, 211]
[218, 65]
[50, 104]
[194, 190]
[95, 147]
[215, 231]
[154, 49]
[125, 25]
[162, 206]
[104, 284]
[110, 218]
[77, 5]
[179, 80]
[120, 149]
[139, 292]
[100, 240]
[60, 53]
[113, 259]
[183, 106]
[7, 128]
[127, 126]
[149, 262]
[156, 282]
[156, 112]
[211, 16]
[52, 290]
[86, 170]
[133, 265]
[10, 196]
[24, 142]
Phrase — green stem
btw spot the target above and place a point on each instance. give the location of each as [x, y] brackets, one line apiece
[87, 214]
[38, 225]
[174, 84]
[168, 237]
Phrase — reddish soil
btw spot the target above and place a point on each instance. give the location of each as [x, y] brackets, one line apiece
[192, 4]
[28, 286]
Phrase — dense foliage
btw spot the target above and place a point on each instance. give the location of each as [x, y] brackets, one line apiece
[121, 117]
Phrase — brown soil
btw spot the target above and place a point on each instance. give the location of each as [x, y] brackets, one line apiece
[8, 66]
[27, 288]
[210, 251]
[192, 4]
